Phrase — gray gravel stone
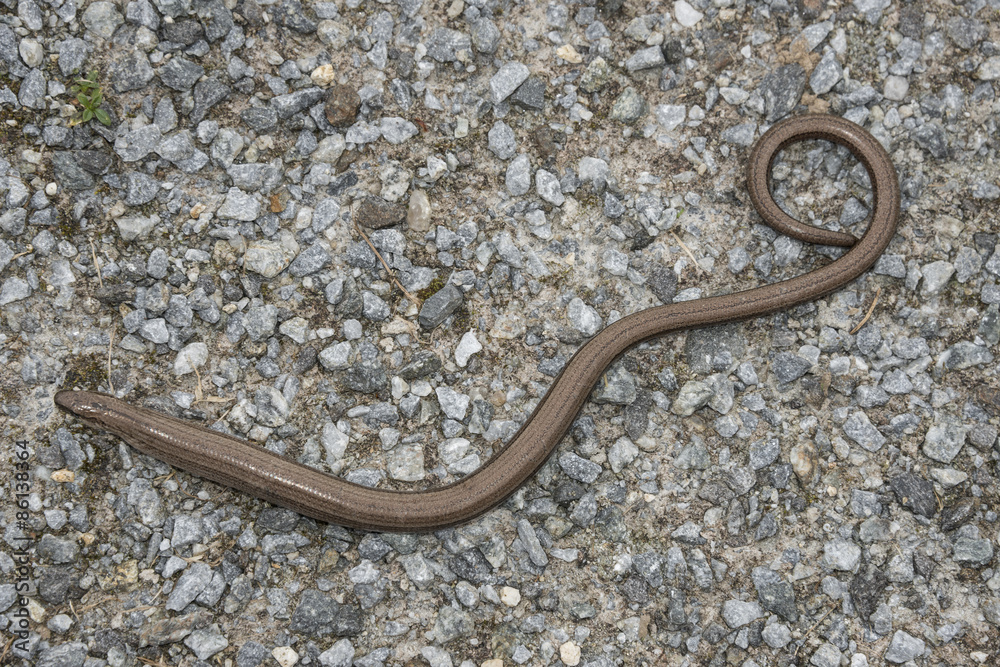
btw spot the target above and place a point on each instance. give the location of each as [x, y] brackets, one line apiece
[439, 306]
[548, 187]
[975, 552]
[931, 137]
[239, 205]
[506, 81]
[397, 130]
[860, 429]
[741, 135]
[789, 367]
[629, 106]
[70, 654]
[32, 92]
[826, 74]
[73, 52]
[915, 494]
[101, 18]
[764, 452]
[518, 178]
[9, 52]
[936, 276]
[841, 555]
[207, 93]
[579, 468]
[904, 647]
[645, 59]
[181, 74]
[669, 116]
[485, 36]
[737, 613]
[782, 90]
[444, 45]
[777, 635]
[501, 140]
[944, 439]
[131, 72]
[318, 614]
[530, 94]
[529, 539]
[291, 14]
[965, 354]
[827, 655]
[341, 654]
[194, 580]
[775, 594]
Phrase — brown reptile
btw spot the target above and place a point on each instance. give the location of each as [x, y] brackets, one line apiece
[252, 469]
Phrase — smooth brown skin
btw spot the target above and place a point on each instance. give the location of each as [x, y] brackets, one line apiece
[252, 469]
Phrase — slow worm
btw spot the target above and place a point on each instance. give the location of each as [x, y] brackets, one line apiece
[252, 469]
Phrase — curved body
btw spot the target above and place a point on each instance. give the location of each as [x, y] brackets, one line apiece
[252, 469]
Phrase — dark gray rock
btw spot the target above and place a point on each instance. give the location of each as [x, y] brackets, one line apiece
[421, 365]
[364, 379]
[181, 74]
[251, 654]
[377, 213]
[782, 90]
[9, 52]
[69, 173]
[530, 94]
[288, 105]
[57, 550]
[713, 349]
[311, 260]
[439, 306]
[663, 282]
[866, 590]
[931, 137]
[260, 119]
[318, 614]
[131, 72]
[217, 19]
[915, 494]
[73, 53]
[443, 45]
[485, 36]
[775, 593]
[789, 367]
[955, 515]
[207, 94]
[185, 32]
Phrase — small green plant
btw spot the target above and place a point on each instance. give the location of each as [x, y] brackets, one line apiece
[89, 96]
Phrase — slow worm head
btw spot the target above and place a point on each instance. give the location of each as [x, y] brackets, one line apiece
[252, 469]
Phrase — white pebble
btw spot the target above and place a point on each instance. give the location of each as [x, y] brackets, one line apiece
[467, 347]
[510, 596]
[686, 15]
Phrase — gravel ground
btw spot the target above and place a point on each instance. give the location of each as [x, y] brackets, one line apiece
[793, 490]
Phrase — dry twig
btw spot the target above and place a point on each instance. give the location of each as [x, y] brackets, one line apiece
[392, 275]
[687, 250]
[871, 309]
[813, 628]
[111, 342]
[97, 264]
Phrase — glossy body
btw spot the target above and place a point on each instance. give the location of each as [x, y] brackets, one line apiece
[249, 468]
